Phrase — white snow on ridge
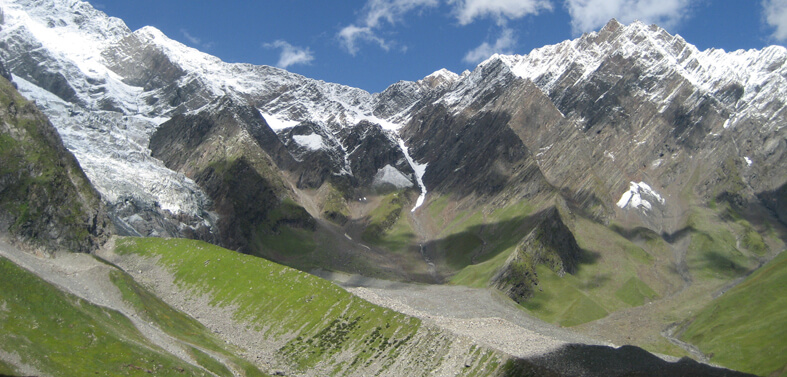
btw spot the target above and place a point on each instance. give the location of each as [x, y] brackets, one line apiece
[386, 125]
[311, 141]
[762, 74]
[443, 74]
[390, 175]
[77, 45]
[748, 161]
[639, 196]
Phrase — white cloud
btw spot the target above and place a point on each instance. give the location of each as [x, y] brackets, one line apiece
[589, 15]
[392, 10]
[468, 11]
[377, 15]
[192, 39]
[350, 35]
[374, 13]
[776, 16]
[502, 45]
[196, 42]
[290, 54]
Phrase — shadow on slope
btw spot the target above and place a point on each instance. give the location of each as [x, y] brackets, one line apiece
[483, 242]
[506, 254]
[591, 360]
[776, 201]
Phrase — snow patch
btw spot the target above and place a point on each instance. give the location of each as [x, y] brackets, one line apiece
[312, 141]
[639, 196]
[390, 175]
[386, 125]
[748, 161]
[543, 150]
[419, 169]
[276, 123]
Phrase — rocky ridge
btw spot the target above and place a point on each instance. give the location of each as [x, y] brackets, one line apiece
[635, 75]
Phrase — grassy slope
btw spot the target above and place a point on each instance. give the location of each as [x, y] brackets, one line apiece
[7, 369]
[609, 278]
[746, 328]
[180, 326]
[616, 274]
[321, 323]
[620, 269]
[62, 335]
[713, 252]
[476, 244]
[388, 226]
[334, 206]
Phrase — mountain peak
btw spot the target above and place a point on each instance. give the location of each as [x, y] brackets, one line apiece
[66, 18]
[611, 26]
[440, 77]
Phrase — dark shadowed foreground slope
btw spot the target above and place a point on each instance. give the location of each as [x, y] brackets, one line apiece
[45, 198]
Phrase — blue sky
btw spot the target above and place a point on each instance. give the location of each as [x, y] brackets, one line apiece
[372, 44]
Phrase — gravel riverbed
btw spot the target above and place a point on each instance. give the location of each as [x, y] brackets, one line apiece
[480, 314]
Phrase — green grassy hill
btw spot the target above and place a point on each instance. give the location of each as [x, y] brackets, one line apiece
[59, 334]
[617, 269]
[746, 328]
[315, 325]
[319, 326]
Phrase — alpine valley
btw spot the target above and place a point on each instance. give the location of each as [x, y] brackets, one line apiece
[610, 205]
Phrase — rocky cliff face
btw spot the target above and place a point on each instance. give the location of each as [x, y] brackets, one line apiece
[109, 88]
[651, 108]
[473, 147]
[625, 104]
[375, 158]
[232, 154]
[45, 198]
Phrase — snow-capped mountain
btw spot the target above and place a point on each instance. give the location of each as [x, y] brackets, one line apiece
[586, 117]
[625, 104]
[108, 88]
[586, 178]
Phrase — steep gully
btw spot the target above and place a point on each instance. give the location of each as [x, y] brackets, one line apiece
[422, 240]
[419, 170]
